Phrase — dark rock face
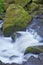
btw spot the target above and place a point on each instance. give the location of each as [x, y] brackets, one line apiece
[40, 56]
[37, 25]
[1, 33]
[31, 61]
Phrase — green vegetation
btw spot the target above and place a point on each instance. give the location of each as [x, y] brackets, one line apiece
[16, 19]
[34, 50]
[22, 2]
[7, 3]
[1, 6]
[38, 1]
[32, 7]
[19, 2]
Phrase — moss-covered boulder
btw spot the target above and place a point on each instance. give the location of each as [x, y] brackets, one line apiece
[22, 2]
[16, 19]
[38, 1]
[34, 50]
[32, 7]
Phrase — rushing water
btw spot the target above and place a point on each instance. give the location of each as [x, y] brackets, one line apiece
[14, 51]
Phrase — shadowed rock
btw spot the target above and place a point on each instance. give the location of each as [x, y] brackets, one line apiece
[40, 56]
[33, 61]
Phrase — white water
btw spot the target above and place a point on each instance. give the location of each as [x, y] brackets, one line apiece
[14, 52]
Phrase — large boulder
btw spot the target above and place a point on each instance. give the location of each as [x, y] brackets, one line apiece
[16, 19]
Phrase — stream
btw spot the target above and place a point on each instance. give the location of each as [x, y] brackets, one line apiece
[13, 52]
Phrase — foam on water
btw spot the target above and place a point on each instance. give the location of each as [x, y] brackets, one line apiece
[14, 52]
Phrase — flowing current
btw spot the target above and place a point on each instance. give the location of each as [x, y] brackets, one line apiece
[13, 52]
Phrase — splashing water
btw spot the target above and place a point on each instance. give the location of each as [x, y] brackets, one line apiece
[14, 52]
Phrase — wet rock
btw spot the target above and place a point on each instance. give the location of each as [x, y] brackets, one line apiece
[1, 63]
[33, 61]
[1, 23]
[37, 25]
[1, 33]
[14, 36]
[40, 56]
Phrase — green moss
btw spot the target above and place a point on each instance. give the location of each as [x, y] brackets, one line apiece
[7, 3]
[32, 7]
[0, 17]
[34, 50]
[38, 1]
[1, 6]
[16, 19]
[22, 2]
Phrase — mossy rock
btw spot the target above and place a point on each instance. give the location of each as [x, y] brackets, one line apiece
[32, 7]
[38, 1]
[1, 7]
[1, 18]
[34, 50]
[39, 10]
[16, 19]
[22, 2]
[7, 3]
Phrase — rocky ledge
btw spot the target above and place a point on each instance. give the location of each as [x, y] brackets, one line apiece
[31, 61]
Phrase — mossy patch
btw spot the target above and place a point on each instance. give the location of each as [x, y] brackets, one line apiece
[7, 3]
[1, 7]
[16, 19]
[32, 7]
[22, 2]
[34, 50]
[38, 1]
